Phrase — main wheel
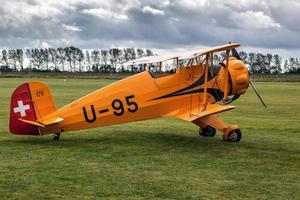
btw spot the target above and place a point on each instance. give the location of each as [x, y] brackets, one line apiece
[233, 136]
[207, 131]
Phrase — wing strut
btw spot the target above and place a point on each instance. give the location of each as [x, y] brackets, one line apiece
[212, 65]
[205, 81]
[226, 76]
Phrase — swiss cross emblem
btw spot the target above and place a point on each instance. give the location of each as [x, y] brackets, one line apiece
[21, 108]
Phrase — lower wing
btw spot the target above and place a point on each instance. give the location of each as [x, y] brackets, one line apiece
[191, 115]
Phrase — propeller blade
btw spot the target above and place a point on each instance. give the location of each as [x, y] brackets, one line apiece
[256, 92]
[235, 54]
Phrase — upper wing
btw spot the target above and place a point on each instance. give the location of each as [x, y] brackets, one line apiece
[219, 48]
[181, 55]
[155, 59]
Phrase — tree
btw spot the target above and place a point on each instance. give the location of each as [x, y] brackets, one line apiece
[114, 54]
[297, 67]
[292, 65]
[87, 60]
[126, 56]
[61, 58]
[13, 58]
[244, 56]
[53, 57]
[5, 57]
[276, 66]
[132, 56]
[253, 68]
[149, 52]
[216, 58]
[29, 57]
[286, 66]
[104, 57]
[268, 63]
[140, 53]
[20, 58]
[96, 59]
[37, 59]
[222, 56]
[79, 57]
[45, 58]
[4, 60]
[261, 62]
[69, 57]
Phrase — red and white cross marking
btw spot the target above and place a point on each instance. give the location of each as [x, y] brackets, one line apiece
[21, 108]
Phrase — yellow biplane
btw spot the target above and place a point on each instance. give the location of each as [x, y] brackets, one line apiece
[186, 85]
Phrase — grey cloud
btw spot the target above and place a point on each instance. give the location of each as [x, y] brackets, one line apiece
[170, 24]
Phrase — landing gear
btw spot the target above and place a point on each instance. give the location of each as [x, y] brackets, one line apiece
[212, 122]
[56, 137]
[207, 131]
[233, 136]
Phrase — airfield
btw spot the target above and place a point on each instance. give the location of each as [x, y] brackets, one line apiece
[157, 159]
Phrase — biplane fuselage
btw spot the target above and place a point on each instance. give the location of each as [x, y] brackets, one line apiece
[189, 93]
[140, 97]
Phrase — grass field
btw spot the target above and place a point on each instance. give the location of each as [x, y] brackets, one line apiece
[157, 159]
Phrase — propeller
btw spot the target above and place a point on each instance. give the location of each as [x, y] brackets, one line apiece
[237, 56]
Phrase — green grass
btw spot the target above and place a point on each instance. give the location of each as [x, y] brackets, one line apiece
[157, 159]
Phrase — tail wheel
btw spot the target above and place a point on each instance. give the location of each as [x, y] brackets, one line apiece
[233, 136]
[207, 131]
[56, 137]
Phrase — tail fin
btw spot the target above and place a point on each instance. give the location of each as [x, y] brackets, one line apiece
[30, 102]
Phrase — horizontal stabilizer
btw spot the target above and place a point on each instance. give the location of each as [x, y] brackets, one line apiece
[45, 123]
[52, 120]
[32, 123]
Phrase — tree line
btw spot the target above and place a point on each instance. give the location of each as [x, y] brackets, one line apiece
[72, 59]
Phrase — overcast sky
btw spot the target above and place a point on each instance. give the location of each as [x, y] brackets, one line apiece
[264, 25]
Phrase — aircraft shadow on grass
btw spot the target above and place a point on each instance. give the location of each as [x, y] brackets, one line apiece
[147, 140]
[153, 143]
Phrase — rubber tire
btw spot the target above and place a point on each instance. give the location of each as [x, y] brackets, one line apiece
[208, 131]
[234, 138]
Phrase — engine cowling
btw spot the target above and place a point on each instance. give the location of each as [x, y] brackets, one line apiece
[238, 77]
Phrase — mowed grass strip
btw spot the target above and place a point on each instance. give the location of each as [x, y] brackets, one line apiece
[157, 159]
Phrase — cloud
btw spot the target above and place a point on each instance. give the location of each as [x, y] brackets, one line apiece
[162, 24]
[152, 11]
[105, 14]
[192, 3]
[254, 20]
[71, 28]
[18, 13]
